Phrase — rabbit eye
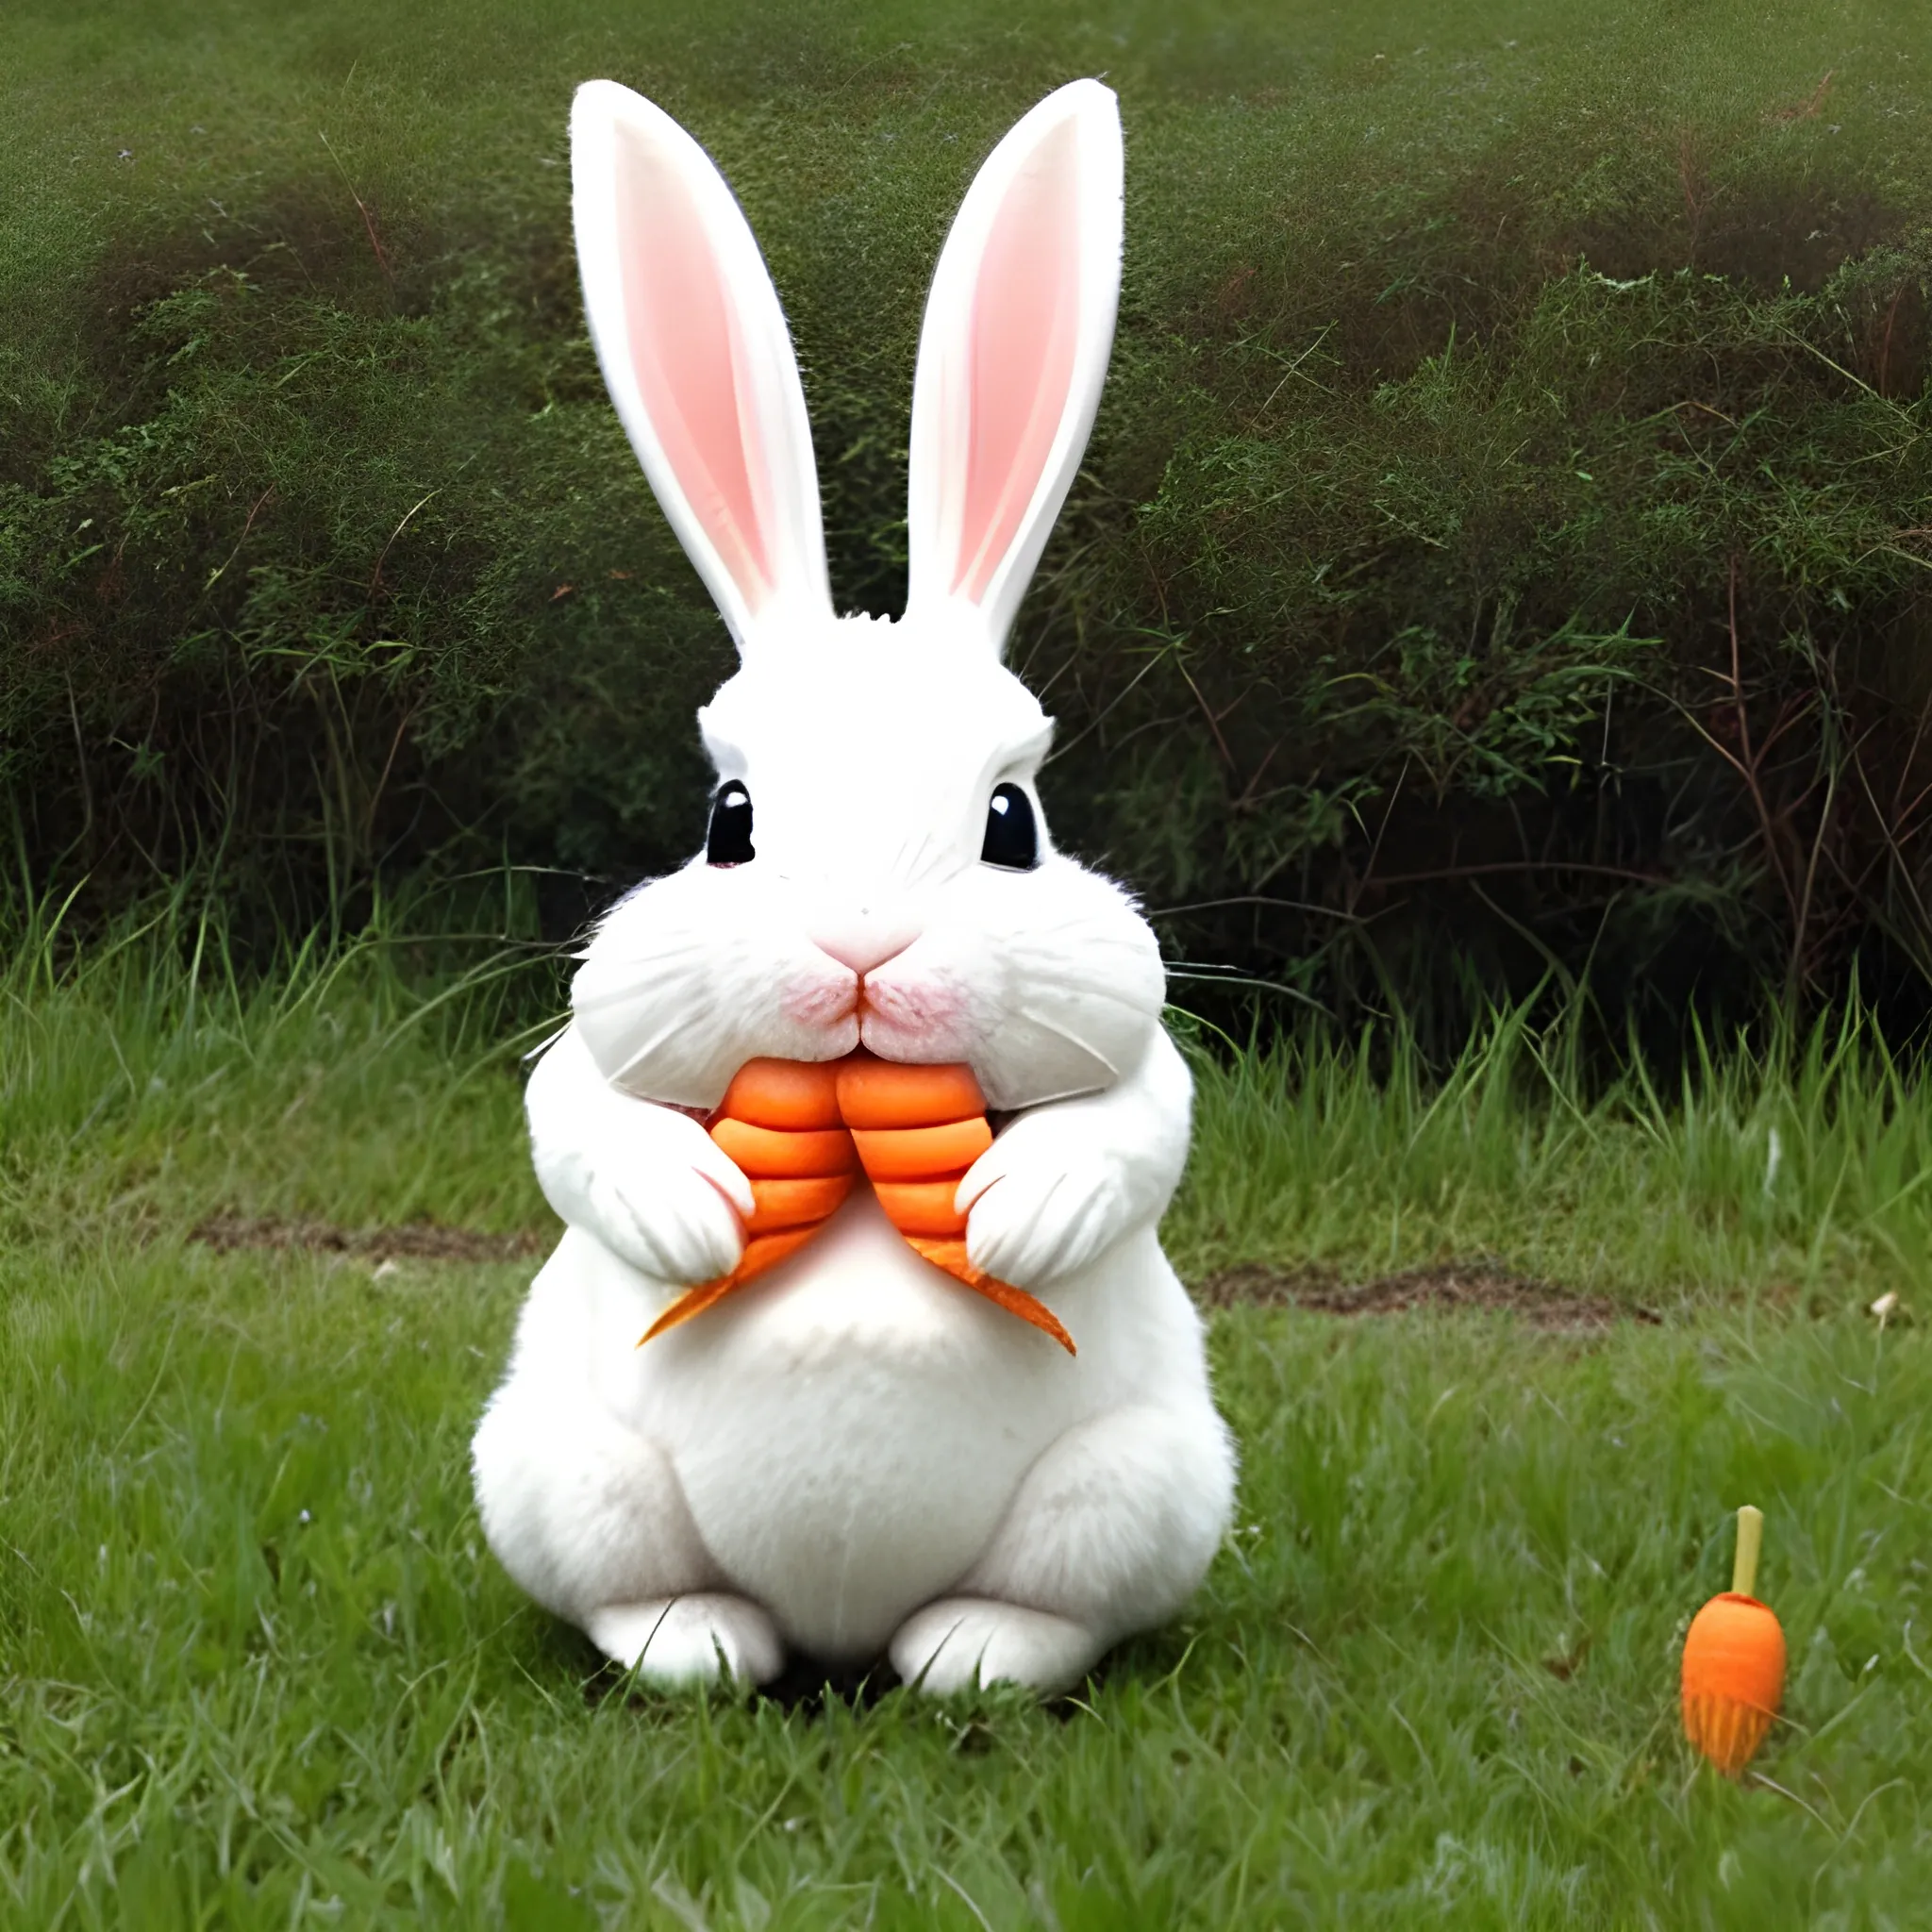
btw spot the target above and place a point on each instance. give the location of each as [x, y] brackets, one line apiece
[729, 840]
[1012, 836]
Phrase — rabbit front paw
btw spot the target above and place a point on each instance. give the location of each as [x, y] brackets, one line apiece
[653, 1187]
[1034, 1219]
[673, 1225]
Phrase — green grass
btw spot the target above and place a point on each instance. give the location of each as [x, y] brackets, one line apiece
[256, 1667]
[149, 1082]
[255, 1655]
[1795, 1170]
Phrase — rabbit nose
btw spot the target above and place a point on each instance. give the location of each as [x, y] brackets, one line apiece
[861, 942]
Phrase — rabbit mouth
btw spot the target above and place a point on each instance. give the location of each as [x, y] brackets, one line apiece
[909, 1017]
[825, 1003]
[903, 1016]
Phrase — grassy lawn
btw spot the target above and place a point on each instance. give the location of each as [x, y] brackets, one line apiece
[285, 314]
[258, 1668]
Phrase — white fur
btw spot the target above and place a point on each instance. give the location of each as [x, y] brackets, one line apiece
[1073, 137]
[855, 1455]
[621, 145]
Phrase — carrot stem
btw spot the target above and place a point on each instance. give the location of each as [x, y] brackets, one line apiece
[1750, 1542]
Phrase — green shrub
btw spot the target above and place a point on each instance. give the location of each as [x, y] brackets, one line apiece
[1500, 556]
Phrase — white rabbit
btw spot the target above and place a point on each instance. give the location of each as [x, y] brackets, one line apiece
[853, 1456]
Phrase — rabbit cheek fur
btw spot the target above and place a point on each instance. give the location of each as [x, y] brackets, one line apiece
[852, 1454]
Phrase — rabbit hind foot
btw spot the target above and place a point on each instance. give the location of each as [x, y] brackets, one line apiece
[967, 1643]
[677, 1641]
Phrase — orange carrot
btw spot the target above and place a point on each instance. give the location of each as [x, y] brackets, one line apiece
[802, 1131]
[917, 1154]
[950, 1256]
[762, 1252]
[796, 1202]
[785, 1093]
[784, 1153]
[918, 1130]
[1734, 1662]
[893, 1093]
[921, 1206]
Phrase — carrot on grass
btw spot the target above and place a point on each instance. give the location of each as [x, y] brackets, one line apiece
[1734, 1662]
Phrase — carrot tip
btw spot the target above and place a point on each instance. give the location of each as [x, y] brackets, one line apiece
[693, 1301]
[951, 1256]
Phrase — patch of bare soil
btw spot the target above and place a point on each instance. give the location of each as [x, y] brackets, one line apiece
[414, 1241]
[1451, 1286]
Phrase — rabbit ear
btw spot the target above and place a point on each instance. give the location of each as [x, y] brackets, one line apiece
[696, 357]
[1012, 355]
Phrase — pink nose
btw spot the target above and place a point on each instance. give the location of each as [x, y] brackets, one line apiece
[862, 943]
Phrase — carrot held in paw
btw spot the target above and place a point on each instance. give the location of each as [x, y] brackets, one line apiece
[950, 1256]
[893, 1093]
[1734, 1662]
[779, 1121]
[793, 1095]
[803, 1132]
[918, 1130]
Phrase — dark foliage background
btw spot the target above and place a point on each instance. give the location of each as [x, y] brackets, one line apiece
[1502, 557]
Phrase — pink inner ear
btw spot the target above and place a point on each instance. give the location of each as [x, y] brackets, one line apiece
[1024, 330]
[682, 332]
